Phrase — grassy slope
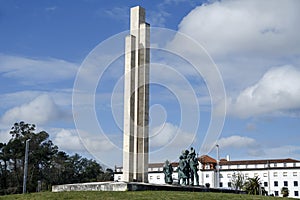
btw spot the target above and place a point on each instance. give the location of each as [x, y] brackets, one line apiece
[151, 195]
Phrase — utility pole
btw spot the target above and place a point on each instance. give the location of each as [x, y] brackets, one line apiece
[218, 168]
[25, 166]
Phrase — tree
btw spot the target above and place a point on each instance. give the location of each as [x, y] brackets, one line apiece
[78, 170]
[40, 151]
[4, 173]
[252, 185]
[108, 175]
[46, 164]
[285, 191]
[238, 181]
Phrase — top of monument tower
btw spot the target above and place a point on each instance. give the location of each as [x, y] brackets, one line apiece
[138, 7]
[137, 16]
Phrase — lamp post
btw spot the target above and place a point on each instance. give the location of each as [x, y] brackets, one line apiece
[25, 166]
[218, 168]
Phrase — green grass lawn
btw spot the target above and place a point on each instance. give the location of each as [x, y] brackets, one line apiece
[151, 195]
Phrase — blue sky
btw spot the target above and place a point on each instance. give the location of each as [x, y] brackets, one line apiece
[251, 48]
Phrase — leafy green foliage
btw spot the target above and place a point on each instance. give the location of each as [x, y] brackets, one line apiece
[238, 181]
[252, 185]
[46, 163]
[285, 191]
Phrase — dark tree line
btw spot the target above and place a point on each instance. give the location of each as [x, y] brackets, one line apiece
[46, 164]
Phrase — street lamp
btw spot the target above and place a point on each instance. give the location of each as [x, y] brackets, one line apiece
[218, 168]
[25, 166]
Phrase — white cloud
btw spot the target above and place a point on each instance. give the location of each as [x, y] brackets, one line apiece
[237, 141]
[35, 71]
[277, 91]
[286, 151]
[158, 18]
[41, 110]
[251, 127]
[241, 146]
[61, 97]
[118, 13]
[84, 143]
[251, 26]
[9, 100]
[170, 135]
[51, 9]
[69, 140]
[245, 38]
[4, 136]
[167, 142]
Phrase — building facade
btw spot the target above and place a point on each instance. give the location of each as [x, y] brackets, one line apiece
[273, 173]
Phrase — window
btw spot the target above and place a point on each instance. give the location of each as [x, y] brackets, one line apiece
[229, 184]
[275, 183]
[221, 184]
[294, 173]
[285, 183]
[151, 177]
[119, 178]
[284, 173]
[276, 193]
[221, 175]
[158, 177]
[295, 183]
[255, 174]
[294, 164]
[207, 175]
[266, 184]
[246, 175]
[228, 175]
[275, 164]
[275, 174]
[265, 174]
[284, 164]
[296, 193]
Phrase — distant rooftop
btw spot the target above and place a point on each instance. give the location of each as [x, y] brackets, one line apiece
[205, 159]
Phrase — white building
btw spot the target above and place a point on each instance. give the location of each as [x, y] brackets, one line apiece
[273, 173]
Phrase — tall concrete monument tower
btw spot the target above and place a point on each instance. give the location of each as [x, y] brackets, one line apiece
[136, 98]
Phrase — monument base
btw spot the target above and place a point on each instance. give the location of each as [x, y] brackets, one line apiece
[135, 186]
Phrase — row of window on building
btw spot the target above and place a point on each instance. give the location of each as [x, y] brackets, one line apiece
[285, 183]
[276, 193]
[275, 174]
[258, 165]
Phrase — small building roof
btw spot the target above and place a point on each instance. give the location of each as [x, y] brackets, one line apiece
[207, 159]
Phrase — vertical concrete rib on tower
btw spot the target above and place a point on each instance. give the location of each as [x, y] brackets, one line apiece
[136, 98]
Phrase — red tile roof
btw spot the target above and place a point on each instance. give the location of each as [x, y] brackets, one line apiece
[207, 159]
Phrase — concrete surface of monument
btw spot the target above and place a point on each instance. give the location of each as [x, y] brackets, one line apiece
[136, 98]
